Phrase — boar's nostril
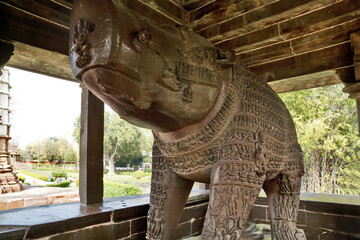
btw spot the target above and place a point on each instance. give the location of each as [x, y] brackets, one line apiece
[91, 26]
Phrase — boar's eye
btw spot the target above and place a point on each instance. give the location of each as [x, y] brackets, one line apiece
[144, 36]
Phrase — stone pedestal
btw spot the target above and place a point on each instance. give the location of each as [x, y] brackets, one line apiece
[8, 179]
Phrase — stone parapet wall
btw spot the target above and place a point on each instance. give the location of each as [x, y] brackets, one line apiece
[125, 218]
[321, 219]
[117, 218]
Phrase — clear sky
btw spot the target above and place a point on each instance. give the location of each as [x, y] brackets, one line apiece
[42, 107]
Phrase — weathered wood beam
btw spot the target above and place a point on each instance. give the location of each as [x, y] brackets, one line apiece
[41, 61]
[292, 23]
[324, 38]
[216, 12]
[313, 21]
[256, 39]
[46, 9]
[355, 42]
[169, 8]
[154, 12]
[260, 16]
[268, 53]
[6, 51]
[190, 5]
[336, 56]
[91, 149]
[20, 26]
[65, 3]
[313, 80]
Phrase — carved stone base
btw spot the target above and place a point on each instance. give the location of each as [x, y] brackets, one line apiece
[8, 180]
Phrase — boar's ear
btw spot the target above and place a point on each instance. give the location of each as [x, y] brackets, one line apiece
[168, 81]
[225, 57]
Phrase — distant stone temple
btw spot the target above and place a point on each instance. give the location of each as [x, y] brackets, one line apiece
[8, 179]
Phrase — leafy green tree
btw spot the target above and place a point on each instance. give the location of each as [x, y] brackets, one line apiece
[124, 143]
[51, 149]
[327, 129]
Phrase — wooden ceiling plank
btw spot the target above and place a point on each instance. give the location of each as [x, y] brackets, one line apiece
[261, 17]
[27, 28]
[172, 8]
[45, 9]
[266, 54]
[334, 14]
[149, 12]
[192, 5]
[219, 11]
[265, 36]
[315, 41]
[65, 3]
[329, 36]
[336, 56]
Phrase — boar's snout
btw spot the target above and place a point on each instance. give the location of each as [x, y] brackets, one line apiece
[93, 37]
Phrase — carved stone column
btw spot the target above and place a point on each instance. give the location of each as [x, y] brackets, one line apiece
[8, 179]
[354, 88]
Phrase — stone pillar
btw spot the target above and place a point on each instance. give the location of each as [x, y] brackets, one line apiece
[8, 179]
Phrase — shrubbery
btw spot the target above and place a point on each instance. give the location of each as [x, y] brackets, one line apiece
[59, 174]
[62, 184]
[148, 170]
[112, 189]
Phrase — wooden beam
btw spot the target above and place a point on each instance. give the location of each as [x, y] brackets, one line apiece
[263, 37]
[41, 61]
[91, 149]
[313, 80]
[6, 51]
[327, 37]
[190, 5]
[170, 9]
[46, 9]
[293, 18]
[333, 57]
[257, 18]
[20, 26]
[355, 42]
[152, 12]
[218, 11]
[313, 21]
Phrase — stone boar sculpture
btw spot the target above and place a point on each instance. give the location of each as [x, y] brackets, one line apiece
[213, 120]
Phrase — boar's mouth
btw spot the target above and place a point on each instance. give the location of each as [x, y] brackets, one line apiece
[116, 86]
[128, 97]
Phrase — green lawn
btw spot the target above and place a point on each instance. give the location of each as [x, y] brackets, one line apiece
[47, 173]
[115, 185]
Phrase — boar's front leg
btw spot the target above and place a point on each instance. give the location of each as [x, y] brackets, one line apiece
[234, 188]
[168, 197]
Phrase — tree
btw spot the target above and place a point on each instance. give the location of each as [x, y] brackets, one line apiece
[326, 125]
[51, 149]
[123, 143]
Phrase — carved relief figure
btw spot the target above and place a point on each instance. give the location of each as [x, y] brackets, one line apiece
[214, 121]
